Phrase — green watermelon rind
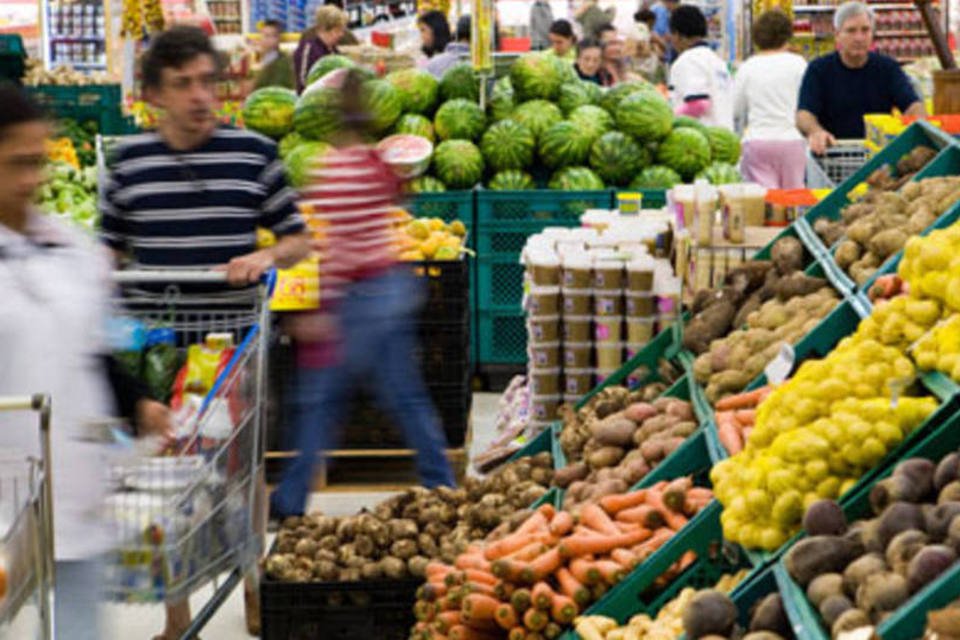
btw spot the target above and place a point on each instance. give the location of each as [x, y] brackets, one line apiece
[459, 119]
[576, 179]
[646, 116]
[686, 151]
[578, 94]
[511, 180]
[384, 103]
[564, 144]
[656, 177]
[538, 116]
[269, 111]
[502, 101]
[415, 124]
[508, 145]
[592, 120]
[724, 145]
[326, 64]
[418, 90]
[299, 162]
[425, 184]
[458, 164]
[536, 76]
[615, 157]
[459, 81]
[718, 173]
[317, 115]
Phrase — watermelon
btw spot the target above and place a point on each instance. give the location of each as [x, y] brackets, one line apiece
[538, 116]
[425, 184]
[384, 103]
[592, 120]
[458, 163]
[576, 179]
[724, 145]
[645, 115]
[511, 180]
[270, 111]
[317, 115]
[616, 158]
[418, 90]
[508, 145]
[415, 124]
[564, 145]
[501, 100]
[577, 94]
[690, 123]
[536, 76]
[288, 143]
[460, 82]
[326, 64]
[408, 155]
[459, 119]
[611, 98]
[686, 151]
[720, 173]
[302, 160]
[656, 177]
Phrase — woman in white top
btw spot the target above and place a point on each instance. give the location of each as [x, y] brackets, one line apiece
[765, 101]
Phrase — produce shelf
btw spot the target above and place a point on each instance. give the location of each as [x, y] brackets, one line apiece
[545, 206]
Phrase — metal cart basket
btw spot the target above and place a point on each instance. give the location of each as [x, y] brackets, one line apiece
[838, 163]
[26, 527]
[187, 519]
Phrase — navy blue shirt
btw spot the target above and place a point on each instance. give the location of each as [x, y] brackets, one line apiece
[839, 96]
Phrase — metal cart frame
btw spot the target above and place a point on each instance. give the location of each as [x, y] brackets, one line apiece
[838, 163]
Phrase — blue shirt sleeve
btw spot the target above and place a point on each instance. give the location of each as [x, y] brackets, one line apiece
[661, 26]
[811, 91]
[901, 90]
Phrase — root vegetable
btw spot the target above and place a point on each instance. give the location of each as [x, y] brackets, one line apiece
[903, 547]
[899, 516]
[824, 518]
[882, 592]
[833, 607]
[937, 519]
[402, 528]
[709, 613]
[815, 555]
[857, 571]
[824, 586]
[605, 457]
[393, 568]
[417, 566]
[949, 493]
[947, 471]
[371, 571]
[927, 564]
[848, 621]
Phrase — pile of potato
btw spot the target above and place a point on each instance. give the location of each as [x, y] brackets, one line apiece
[712, 614]
[857, 575]
[62, 75]
[628, 434]
[402, 534]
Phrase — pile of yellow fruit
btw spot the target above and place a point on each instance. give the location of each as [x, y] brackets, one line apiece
[429, 238]
[931, 267]
[940, 349]
[62, 150]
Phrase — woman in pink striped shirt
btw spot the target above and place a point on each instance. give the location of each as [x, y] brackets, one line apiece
[366, 327]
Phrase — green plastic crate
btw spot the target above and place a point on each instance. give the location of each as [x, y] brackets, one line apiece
[101, 103]
[546, 206]
[500, 282]
[501, 337]
[446, 205]
[934, 444]
[545, 441]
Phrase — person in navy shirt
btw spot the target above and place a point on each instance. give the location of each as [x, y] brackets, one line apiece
[840, 88]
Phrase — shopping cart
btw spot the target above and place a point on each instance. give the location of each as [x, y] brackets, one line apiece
[838, 163]
[191, 518]
[26, 519]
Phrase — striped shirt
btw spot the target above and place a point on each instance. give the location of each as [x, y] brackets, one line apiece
[195, 209]
[353, 193]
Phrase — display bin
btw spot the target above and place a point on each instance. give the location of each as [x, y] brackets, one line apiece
[546, 206]
[448, 288]
[499, 281]
[908, 620]
[101, 103]
[501, 337]
[543, 441]
[446, 205]
[12, 57]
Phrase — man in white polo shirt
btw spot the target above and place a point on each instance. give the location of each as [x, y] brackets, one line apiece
[700, 83]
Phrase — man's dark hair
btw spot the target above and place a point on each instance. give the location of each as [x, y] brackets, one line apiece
[463, 29]
[562, 28]
[438, 24]
[587, 43]
[645, 16]
[273, 24]
[174, 48]
[771, 30]
[18, 108]
[602, 29]
[688, 21]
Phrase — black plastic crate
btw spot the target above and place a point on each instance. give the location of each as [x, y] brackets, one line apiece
[448, 288]
[381, 610]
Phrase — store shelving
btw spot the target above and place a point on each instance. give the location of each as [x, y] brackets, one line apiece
[74, 33]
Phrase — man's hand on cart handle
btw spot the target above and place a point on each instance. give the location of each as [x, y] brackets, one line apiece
[820, 140]
[248, 269]
[155, 420]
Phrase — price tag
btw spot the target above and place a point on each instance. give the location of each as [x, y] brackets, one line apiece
[297, 288]
[780, 367]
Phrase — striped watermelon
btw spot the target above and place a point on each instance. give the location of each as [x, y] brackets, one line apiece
[576, 179]
[458, 163]
[508, 145]
[724, 145]
[459, 119]
[317, 115]
[564, 145]
[270, 111]
[616, 158]
[611, 98]
[502, 100]
[686, 151]
[656, 177]
[288, 143]
[384, 103]
[301, 160]
[691, 123]
[536, 76]
[592, 120]
[538, 116]
[720, 173]
[577, 94]
[425, 184]
[326, 64]
[646, 116]
[511, 180]
[460, 82]
[418, 90]
[415, 124]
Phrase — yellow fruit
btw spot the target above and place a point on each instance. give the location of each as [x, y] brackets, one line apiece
[446, 253]
[412, 256]
[418, 229]
[457, 228]
[817, 470]
[788, 508]
[436, 224]
[829, 487]
[771, 539]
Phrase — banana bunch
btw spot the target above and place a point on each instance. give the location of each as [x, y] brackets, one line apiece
[153, 15]
[434, 5]
[132, 25]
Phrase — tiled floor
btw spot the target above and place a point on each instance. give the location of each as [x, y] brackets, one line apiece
[140, 622]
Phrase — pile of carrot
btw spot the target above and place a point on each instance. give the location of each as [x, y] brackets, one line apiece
[531, 584]
[736, 416]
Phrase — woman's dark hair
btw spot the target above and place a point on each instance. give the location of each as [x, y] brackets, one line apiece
[174, 48]
[355, 116]
[273, 24]
[562, 28]
[645, 16]
[588, 43]
[602, 29]
[437, 23]
[688, 21]
[18, 108]
[771, 30]
[463, 29]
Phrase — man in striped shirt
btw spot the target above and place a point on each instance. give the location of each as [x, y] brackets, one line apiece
[191, 195]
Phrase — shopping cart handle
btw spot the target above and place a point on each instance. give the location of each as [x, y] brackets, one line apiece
[182, 276]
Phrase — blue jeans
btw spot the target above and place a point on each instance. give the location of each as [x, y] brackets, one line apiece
[378, 333]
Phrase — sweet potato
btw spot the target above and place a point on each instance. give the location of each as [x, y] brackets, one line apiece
[798, 284]
[787, 255]
[887, 242]
[570, 473]
[640, 411]
[605, 457]
[613, 431]
[710, 324]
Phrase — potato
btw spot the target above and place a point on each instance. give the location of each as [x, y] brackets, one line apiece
[887, 242]
[605, 457]
[614, 431]
[570, 473]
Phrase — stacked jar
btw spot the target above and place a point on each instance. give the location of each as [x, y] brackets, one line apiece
[641, 304]
[544, 335]
[577, 292]
[608, 310]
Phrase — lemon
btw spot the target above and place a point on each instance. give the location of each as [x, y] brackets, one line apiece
[780, 481]
[847, 485]
[772, 539]
[457, 228]
[446, 253]
[418, 229]
[829, 487]
[888, 433]
[788, 508]
[817, 470]
[758, 502]
[436, 224]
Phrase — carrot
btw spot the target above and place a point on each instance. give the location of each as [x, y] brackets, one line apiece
[541, 567]
[697, 498]
[657, 540]
[624, 557]
[528, 553]
[432, 591]
[580, 571]
[447, 619]
[479, 588]
[616, 503]
[482, 577]
[521, 600]
[644, 515]
[424, 611]
[563, 609]
[437, 570]
[746, 433]
[507, 570]
[593, 516]
[686, 560]
[729, 435]
[516, 541]
[454, 578]
[503, 590]
[552, 631]
[472, 560]
[477, 607]
[745, 400]
[675, 495]
[506, 617]
[541, 596]
[608, 571]
[576, 546]
[536, 522]
[450, 603]
[465, 632]
[599, 590]
[746, 417]
[547, 510]
[571, 587]
[535, 620]
[562, 523]
[517, 633]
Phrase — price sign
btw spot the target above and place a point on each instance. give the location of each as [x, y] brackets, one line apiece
[297, 288]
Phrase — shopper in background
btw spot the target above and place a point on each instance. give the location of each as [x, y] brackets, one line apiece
[700, 84]
[662, 10]
[641, 59]
[765, 97]
[366, 327]
[54, 281]
[614, 65]
[589, 64]
[318, 41]
[276, 67]
[646, 20]
[434, 33]
[348, 39]
[454, 53]
[541, 19]
[562, 41]
[840, 88]
[591, 17]
[191, 195]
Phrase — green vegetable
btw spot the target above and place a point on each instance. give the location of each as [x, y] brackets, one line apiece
[160, 367]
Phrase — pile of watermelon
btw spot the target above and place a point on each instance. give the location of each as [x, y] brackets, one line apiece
[542, 127]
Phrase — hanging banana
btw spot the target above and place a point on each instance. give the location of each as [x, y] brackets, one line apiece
[132, 26]
[153, 16]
